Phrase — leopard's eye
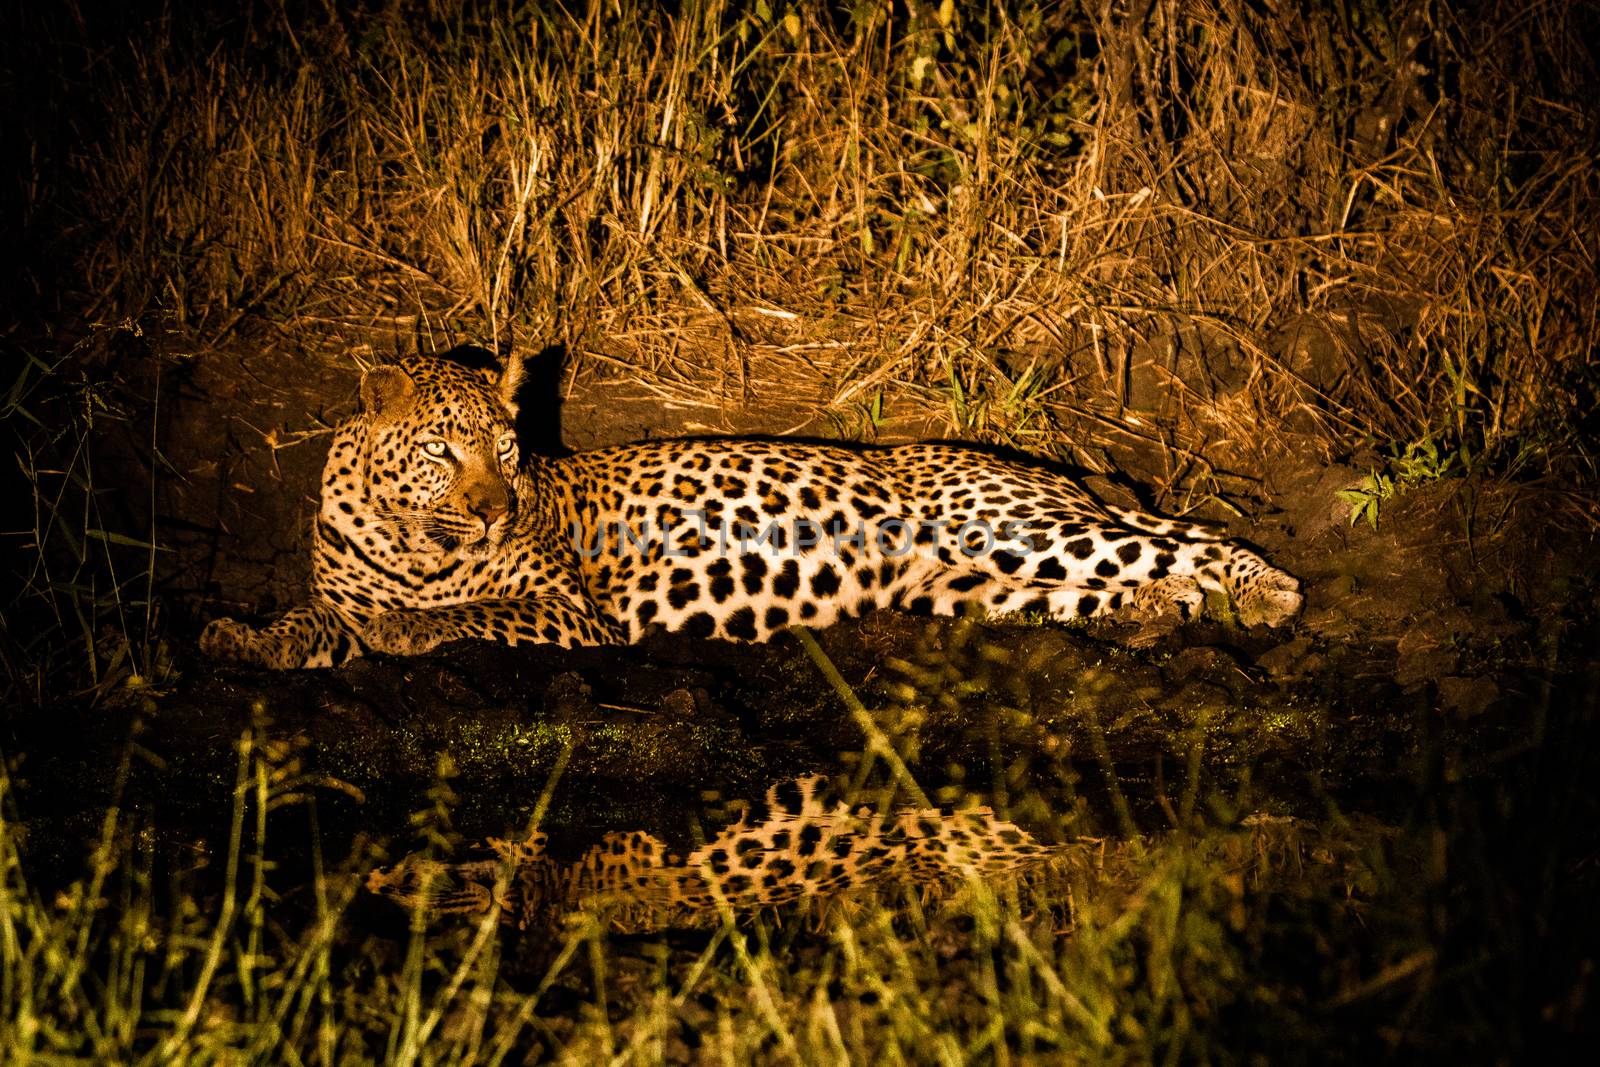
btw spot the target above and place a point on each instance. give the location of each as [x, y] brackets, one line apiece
[435, 448]
[507, 442]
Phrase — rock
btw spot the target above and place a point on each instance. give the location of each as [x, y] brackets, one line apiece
[1285, 661]
[1467, 696]
[1201, 663]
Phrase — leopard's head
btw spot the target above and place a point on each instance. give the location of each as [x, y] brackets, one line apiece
[442, 455]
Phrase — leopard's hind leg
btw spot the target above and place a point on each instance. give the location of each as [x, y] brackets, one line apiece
[1262, 594]
[1171, 595]
[1142, 576]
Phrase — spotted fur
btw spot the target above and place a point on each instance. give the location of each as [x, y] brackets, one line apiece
[802, 847]
[433, 528]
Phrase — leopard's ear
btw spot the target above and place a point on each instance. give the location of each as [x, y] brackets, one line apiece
[511, 376]
[386, 392]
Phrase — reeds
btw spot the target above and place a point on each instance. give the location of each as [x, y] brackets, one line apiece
[1193, 224]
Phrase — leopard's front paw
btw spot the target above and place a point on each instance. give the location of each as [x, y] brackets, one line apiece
[231, 641]
[403, 633]
[228, 640]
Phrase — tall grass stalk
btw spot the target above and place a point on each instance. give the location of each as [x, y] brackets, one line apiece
[941, 193]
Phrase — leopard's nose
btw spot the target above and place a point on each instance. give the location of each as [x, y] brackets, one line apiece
[490, 506]
[489, 513]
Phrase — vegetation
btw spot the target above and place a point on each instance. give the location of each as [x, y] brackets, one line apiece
[1221, 244]
[1236, 934]
[945, 192]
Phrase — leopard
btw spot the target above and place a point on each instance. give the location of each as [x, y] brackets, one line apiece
[802, 844]
[433, 527]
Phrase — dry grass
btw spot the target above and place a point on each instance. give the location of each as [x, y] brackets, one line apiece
[1182, 228]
